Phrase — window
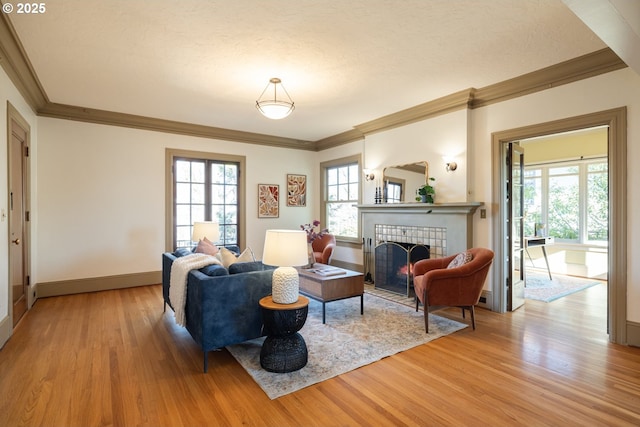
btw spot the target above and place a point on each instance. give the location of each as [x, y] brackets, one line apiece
[393, 192]
[570, 198]
[341, 182]
[206, 189]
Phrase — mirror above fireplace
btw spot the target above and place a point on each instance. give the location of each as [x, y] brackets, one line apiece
[401, 181]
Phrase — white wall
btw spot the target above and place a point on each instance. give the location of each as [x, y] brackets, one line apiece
[8, 93]
[429, 141]
[102, 196]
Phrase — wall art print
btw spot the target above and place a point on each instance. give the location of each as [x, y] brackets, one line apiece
[296, 190]
[268, 200]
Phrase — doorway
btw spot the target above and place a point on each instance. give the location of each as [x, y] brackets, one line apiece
[615, 120]
[19, 213]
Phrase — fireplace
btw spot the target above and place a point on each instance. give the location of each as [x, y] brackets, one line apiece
[394, 265]
[443, 228]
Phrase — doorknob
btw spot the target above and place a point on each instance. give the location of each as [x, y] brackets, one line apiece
[17, 241]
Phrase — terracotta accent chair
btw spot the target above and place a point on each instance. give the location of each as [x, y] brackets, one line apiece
[323, 248]
[442, 282]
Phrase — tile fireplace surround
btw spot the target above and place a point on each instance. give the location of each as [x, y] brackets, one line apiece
[454, 221]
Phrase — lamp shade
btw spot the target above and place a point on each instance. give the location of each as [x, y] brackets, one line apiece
[285, 248]
[208, 229]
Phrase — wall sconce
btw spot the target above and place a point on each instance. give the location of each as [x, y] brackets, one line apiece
[368, 174]
[450, 164]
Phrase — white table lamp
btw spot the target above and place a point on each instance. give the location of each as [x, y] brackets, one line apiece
[208, 229]
[285, 249]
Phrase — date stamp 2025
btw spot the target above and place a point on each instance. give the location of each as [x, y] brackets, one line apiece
[24, 8]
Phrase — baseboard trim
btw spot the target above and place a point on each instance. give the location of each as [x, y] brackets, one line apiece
[6, 330]
[96, 284]
[486, 299]
[633, 333]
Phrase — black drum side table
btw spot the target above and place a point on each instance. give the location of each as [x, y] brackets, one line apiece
[284, 349]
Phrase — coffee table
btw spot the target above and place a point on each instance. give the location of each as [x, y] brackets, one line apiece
[331, 288]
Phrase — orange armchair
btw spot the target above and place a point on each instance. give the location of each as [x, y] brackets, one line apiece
[436, 285]
[323, 248]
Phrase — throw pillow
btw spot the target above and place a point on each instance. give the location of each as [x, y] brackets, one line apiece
[227, 257]
[206, 247]
[461, 259]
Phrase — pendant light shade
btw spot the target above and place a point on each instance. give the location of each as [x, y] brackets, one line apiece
[272, 106]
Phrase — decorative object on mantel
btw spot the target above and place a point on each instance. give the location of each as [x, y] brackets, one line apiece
[284, 249]
[312, 235]
[427, 192]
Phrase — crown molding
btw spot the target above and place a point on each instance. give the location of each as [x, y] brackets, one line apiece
[589, 65]
[444, 105]
[16, 64]
[339, 139]
[90, 115]
[19, 69]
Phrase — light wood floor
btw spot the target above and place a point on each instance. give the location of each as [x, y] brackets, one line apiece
[113, 358]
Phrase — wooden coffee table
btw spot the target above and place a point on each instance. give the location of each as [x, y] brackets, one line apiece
[331, 288]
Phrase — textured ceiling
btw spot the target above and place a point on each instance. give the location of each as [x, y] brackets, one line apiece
[344, 62]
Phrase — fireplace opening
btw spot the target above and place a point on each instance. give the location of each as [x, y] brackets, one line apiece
[394, 265]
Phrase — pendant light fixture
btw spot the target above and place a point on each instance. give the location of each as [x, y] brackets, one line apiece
[276, 108]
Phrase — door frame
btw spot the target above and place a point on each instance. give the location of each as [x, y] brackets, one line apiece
[14, 116]
[616, 120]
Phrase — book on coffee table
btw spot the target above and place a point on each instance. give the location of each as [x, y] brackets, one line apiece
[329, 271]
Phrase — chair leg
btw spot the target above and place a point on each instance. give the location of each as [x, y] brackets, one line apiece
[417, 303]
[463, 316]
[425, 306]
[473, 317]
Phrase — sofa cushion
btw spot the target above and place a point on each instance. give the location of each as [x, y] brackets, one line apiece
[245, 267]
[214, 270]
[461, 259]
[227, 257]
[182, 252]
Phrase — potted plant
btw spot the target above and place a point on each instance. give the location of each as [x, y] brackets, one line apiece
[427, 192]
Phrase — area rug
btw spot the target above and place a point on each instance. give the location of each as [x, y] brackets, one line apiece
[540, 288]
[347, 341]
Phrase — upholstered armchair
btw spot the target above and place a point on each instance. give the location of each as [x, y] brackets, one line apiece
[323, 248]
[442, 282]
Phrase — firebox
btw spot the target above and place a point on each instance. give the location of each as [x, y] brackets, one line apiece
[394, 265]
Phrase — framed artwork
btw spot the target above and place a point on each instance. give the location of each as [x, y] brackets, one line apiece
[268, 200]
[296, 190]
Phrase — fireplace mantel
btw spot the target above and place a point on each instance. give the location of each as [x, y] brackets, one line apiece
[467, 208]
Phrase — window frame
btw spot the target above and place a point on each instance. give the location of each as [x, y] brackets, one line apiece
[582, 175]
[341, 162]
[171, 155]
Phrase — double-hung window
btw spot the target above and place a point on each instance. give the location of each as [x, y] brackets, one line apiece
[341, 187]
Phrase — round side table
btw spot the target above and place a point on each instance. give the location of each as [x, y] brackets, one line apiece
[284, 349]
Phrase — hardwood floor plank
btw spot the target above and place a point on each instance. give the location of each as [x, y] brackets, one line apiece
[114, 358]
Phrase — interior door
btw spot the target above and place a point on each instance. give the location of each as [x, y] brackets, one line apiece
[18, 276]
[515, 226]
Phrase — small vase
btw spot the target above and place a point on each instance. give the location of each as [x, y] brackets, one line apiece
[312, 258]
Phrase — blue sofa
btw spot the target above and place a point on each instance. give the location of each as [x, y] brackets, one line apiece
[222, 306]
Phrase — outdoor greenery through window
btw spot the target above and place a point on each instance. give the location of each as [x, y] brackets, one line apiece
[342, 189]
[205, 190]
[570, 199]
